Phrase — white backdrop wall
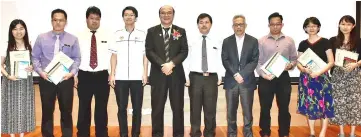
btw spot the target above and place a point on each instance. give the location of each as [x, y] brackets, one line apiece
[37, 15]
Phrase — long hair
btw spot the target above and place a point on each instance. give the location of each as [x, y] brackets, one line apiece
[340, 37]
[12, 42]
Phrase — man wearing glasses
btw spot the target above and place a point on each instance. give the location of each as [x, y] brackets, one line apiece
[269, 86]
[166, 48]
[129, 71]
[47, 45]
[239, 58]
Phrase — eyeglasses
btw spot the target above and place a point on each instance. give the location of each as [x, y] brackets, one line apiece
[166, 13]
[275, 25]
[239, 25]
[129, 15]
[58, 20]
[312, 27]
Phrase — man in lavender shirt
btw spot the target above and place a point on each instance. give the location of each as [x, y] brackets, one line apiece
[269, 86]
[45, 47]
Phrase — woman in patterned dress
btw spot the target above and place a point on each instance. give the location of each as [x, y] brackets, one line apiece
[17, 95]
[346, 80]
[314, 89]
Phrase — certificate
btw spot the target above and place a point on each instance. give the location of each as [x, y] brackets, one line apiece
[58, 67]
[20, 69]
[57, 73]
[18, 56]
[276, 64]
[310, 60]
[62, 58]
[343, 57]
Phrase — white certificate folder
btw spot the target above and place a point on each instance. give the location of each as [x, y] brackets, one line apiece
[310, 60]
[20, 69]
[275, 65]
[58, 67]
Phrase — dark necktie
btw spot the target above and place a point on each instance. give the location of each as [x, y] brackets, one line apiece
[204, 55]
[93, 52]
[166, 43]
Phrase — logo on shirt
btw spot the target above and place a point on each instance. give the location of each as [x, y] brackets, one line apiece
[121, 37]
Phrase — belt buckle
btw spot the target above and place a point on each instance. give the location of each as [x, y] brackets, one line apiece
[206, 74]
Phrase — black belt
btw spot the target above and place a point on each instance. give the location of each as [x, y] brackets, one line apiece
[94, 72]
[203, 74]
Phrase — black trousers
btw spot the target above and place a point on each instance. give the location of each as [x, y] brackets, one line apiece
[203, 93]
[159, 93]
[93, 84]
[48, 93]
[281, 87]
[122, 89]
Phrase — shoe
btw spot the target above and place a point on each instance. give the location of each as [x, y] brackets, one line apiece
[353, 135]
[312, 136]
[341, 135]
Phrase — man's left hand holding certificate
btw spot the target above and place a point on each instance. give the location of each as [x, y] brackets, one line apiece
[58, 68]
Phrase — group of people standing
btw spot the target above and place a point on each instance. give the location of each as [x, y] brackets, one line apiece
[197, 63]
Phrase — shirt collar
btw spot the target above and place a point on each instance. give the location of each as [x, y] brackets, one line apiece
[270, 35]
[170, 27]
[240, 37]
[61, 34]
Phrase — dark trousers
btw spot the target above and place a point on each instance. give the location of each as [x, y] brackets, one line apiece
[203, 92]
[233, 95]
[122, 88]
[93, 84]
[267, 89]
[159, 93]
[48, 93]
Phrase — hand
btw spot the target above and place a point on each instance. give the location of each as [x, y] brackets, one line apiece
[350, 66]
[289, 66]
[239, 78]
[167, 68]
[76, 81]
[111, 80]
[306, 70]
[13, 78]
[145, 80]
[315, 74]
[188, 83]
[219, 82]
[268, 77]
[44, 75]
[29, 69]
[68, 76]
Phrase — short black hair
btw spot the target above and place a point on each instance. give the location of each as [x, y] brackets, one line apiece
[93, 10]
[275, 15]
[312, 20]
[204, 15]
[134, 10]
[59, 11]
[162, 7]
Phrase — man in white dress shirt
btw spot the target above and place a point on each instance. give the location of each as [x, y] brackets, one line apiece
[203, 69]
[92, 78]
[129, 71]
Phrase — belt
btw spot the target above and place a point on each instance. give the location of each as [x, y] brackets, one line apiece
[206, 74]
[94, 72]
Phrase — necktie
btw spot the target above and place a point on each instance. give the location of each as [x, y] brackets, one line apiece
[56, 45]
[166, 43]
[204, 55]
[93, 52]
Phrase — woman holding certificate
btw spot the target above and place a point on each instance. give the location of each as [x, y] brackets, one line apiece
[314, 89]
[17, 92]
[346, 76]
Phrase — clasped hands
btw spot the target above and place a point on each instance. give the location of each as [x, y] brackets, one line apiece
[167, 68]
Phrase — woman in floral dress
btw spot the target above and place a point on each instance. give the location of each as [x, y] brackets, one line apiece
[346, 80]
[314, 90]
